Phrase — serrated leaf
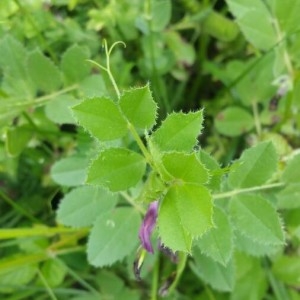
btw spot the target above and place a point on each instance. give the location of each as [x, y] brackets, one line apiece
[70, 171]
[139, 107]
[186, 167]
[254, 19]
[172, 233]
[194, 205]
[289, 197]
[74, 65]
[217, 243]
[101, 117]
[83, 205]
[291, 173]
[178, 132]
[257, 219]
[113, 236]
[220, 277]
[256, 166]
[117, 169]
[234, 121]
[43, 73]
[58, 110]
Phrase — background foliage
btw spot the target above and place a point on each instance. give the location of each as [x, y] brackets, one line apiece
[238, 59]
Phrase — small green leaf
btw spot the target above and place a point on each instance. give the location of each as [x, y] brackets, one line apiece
[112, 236]
[194, 205]
[54, 272]
[101, 117]
[161, 14]
[173, 235]
[256, 166]
[234, 121]
[257, 219]
[17, 139]
[217, 243]
[186, 167]
[117, 169]
[83, 205]
[70, 171]
[178, 132]
[289, 197]
[74, 65]
[291, 173]
[255, 21]
[43, 73]
[221, 278]
[139, 107]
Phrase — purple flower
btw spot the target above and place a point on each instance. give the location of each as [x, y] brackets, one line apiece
[148, 226]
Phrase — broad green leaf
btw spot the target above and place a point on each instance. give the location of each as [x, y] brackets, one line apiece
[234, 121]
[221, 278]
[54, 271]
[289, 197]
[172, 234]
[286, 269]
[93, 86]
[43, 73]
[58, 110]
[70, 171]
[74, 65]
[178, 132]
[17, 139]
[161, 14]
[186, 167]
[251, 282]
[83, 205]
[255, 21]
[117, 169]
[217, 243]
[253, 247]
[101, 117]
[139, 107]
[113, 236]
[257, 219]
[220, 27]
[291, 173]
[256, 166]
[194, 205]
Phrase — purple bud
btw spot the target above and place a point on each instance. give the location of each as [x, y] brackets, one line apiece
[148, 226]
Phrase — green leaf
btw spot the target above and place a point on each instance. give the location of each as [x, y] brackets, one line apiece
[195, 209]
[234, 121]
[74, 65]
[186, 167]
[17, 139]
[161, 14]
[101, 117]
[291, 173]
[255, 166]
[255, 21]
[257, 219]
[251, 282]
[289, 197]
[178, 132]
[113, 236]
[93, 86]
[70, 171]
[221, 278]
[43, 73]
[83, 205]
[286, 269]
[54, 272]
[173, 235]
[117, 169]
[58, 110]
[139, 107]
[217, 243]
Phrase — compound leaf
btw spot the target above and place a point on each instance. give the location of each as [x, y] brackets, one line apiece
[116, 169]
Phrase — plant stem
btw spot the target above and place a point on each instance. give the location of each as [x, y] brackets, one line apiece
[47, 286]
[154, 287]
[130, 201]
[248, 190]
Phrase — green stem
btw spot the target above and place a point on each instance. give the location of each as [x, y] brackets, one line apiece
[154, 287]
[47, 286]
[248, 190]
[133, 203]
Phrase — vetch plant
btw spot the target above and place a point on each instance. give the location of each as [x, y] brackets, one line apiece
[195, 208]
